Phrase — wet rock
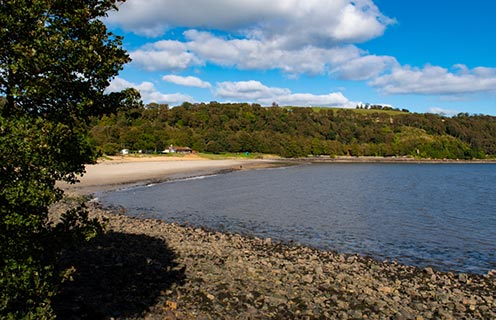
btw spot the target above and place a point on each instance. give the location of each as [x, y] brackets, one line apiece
[429, 271]
[462, 277]
[228, 276]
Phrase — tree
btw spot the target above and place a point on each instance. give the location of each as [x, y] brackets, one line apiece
[56, 60]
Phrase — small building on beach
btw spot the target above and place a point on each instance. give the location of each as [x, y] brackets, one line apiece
[176, 149]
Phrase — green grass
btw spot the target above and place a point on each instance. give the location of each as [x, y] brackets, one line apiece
[238, 155]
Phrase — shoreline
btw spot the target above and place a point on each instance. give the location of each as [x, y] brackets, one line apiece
[116, 172]
[345, 159]
[127, 172]
[186, 272]
[206, 274]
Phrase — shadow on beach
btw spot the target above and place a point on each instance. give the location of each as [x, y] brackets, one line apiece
[116, 275]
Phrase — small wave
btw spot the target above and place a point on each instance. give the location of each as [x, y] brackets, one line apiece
[194, 178]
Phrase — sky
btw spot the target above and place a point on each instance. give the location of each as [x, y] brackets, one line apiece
[421, 55]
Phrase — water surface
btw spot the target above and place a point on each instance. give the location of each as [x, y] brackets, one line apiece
[441, 215]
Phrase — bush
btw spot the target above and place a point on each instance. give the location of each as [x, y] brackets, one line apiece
[110, 149]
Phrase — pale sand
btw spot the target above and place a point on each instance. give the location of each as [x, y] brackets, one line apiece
[119, 172]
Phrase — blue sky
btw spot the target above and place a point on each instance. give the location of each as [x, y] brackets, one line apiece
[425, 56]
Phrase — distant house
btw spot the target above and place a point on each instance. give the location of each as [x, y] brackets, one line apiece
[173, 149]
[184, 150]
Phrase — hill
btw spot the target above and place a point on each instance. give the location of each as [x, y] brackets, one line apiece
[295, 132]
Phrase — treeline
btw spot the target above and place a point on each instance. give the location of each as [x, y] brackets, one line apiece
[296, 132]
[379, 107]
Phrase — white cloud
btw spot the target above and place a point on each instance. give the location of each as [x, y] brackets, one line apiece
[255, 91]
[347, 62]
[442, 111]
[290, 23]
[434, 80]
[335, 99]
[186, 81]
[148, 92]
[311, 37]
[364, 67]
[248, 90]
[154, 17]
[295, 36]
[164, 55]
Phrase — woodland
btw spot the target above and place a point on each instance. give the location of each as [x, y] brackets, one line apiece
[295, 131]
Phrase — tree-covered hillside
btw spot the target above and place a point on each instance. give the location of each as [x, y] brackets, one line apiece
[294, 132]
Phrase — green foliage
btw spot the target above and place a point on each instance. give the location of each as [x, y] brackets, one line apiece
[110, 149]
[297, 132]
[56, 61]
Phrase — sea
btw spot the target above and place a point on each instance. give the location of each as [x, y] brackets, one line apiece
[440, 215]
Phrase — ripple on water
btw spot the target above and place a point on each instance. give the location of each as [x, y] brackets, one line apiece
[441, 215]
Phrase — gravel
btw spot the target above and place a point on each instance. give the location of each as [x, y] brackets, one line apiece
[150, 269]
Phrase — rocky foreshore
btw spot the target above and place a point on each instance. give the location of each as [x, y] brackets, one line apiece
[149, 269]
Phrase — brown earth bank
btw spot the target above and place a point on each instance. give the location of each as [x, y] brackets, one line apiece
[150, 269]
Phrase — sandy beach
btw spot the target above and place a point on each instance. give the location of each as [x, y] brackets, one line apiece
[117, 172]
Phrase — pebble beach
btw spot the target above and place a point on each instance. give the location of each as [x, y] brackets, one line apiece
[150, 269]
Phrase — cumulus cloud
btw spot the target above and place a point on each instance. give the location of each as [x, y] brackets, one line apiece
[325, 23]
[295, 36]
[154, 17]
[442, 111]
[148, 92]
[164, 55]
[255, 91]
[187, 81]
[288, 22]
[334, 99]
[200, 47]
[435, 80]
[364, 67]
[248, 90]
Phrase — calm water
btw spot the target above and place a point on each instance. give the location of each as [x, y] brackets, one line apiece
[441, 215]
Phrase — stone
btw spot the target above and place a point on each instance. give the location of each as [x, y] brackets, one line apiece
[307, 278]
[386, 290]
[171, 304]
[462, 277]
[234, 277]
[429, 270]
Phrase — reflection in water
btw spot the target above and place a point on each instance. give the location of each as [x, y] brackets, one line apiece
[441, 215]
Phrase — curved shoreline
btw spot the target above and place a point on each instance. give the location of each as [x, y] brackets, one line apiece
[226, 276]
[112, 175]
[128, 171]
